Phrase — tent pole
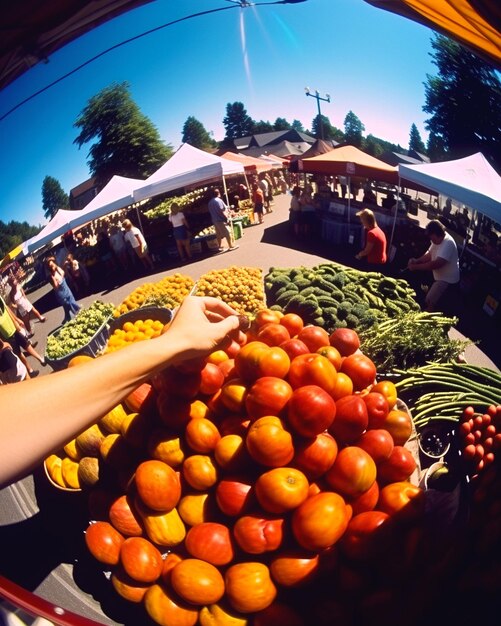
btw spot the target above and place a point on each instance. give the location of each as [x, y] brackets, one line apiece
[226, 192]
[395, 216]
[349, 205]
[139, 218]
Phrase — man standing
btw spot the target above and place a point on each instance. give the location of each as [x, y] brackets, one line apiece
[442, 259]
[220, 215]
[135, 239]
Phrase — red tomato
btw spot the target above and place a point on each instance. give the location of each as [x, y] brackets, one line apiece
[342, 387]
[360, 369]
[377, 442]
[364, 537]
[352, 473]
[211, 378]
[366, 501]
[345, 340]
[273, 334]
[141, 560]
[316, 455]
[293, 323]
[389, 391]
[178, 383]
[267, 396]
[281, 489]
[310, 410]
[312, 369]
[104, 542]
[331, 353]
[399, 466]
[399, 425]
[320, 521]
[314, 337]
[157, 485]
[257, 359]
[258, 534]
[294, 347]
[174, 411]
[124, 517]
[402, 498]
[351, 419]
[234, 495]
[269, 443]
[210, 542]
[292, 568]
[267, 316]
[377, 408]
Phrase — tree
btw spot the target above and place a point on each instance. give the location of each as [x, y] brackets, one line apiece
[281, 124]
[236, 122]
[297, 125]
[353, 129]
[436, 149]
[415, 141]
[464, 102]
[321, 128]
[195, 134]
[14, 233]
[128, 144]
[372, 146]
[53, 197]
[262, 127]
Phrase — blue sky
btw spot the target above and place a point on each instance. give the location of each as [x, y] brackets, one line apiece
[370, 62]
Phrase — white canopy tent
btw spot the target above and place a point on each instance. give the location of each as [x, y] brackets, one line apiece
[116, 195]
[188, 167]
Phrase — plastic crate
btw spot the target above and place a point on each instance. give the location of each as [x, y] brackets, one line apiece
[93, 348]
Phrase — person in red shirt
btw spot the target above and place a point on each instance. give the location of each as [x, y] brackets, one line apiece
[375, 239]
[258, 200]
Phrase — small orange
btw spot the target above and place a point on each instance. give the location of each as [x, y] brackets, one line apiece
[79, 359]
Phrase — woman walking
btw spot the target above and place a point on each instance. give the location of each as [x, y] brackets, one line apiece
[22, 305]
[63, 293]
[181, 231]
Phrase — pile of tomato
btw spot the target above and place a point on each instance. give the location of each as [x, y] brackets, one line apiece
[275, 464]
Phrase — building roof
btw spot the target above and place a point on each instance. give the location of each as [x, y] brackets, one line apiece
[272, 138]
[88, 184]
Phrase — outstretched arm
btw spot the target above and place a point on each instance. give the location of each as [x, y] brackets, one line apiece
[38, 416]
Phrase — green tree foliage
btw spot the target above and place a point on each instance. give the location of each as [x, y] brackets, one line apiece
[464, 102]
[321, 128]
[53, 197]
[195, 134]
[236, 122]
[353, 130]
[126, 141]
[297, 125]
[436, 149]
[376, 146]
[281, 124]
[262, 127]
[14, 233]
[415, 141]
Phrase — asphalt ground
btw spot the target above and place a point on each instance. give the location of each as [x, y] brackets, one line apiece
[267, 245]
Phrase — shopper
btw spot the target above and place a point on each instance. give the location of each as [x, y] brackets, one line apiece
[181, 231]
[22, 305]
[38, 417]
[220, 216]
[135, 238]
[374, 250]
[442, 259]
[63, 293]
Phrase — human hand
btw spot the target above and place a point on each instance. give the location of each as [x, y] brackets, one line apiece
[202, 325]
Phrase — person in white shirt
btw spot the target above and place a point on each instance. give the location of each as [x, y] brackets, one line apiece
[442, 259]
[134, 237]
[181, 231]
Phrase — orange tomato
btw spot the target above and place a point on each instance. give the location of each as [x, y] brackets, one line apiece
[141, 560]
[193, 508]
[389, 391]
[399, 425]
[333, 354]
[104, 542]
[130, 589]
[343, 386]
[197, 581]
[293, 323]
[249, 587]
[281, 489]
[233, 395]
[79, 359]
[157, 485]
[320, 521]
[166, 609]
[269, 443]
[267, 316]
[202, 435]
[217, 357]
[294, 567]
[230, 453]
[200, 472]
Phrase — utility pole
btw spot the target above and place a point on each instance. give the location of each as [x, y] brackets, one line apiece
[318, 98]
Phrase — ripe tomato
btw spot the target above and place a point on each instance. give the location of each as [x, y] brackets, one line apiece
[310, 410]
[294, 347]
[220, 615]
[157, 485]
[125, 518]
[141, 560]
[281, 489]
[320, 521]
[104, 542]
[126, 587]
[165, 608]
[230, 453]
[402, 498]
[342, 387]
[257, 534]
[294, 567]
[267, 396]
[293, 323]
[364, 537]
[197, 581]
[257, 359]
[399, 466]
[211, 378]
[211, 542]
[174, 411]
[267, 316]
[352, 473]
[177, 383]
[377, 408]
[193, 508]
[366, 501]
[164, 446]
[233, 395]
[199, 472]
[351, 419]
[234, 495]
[316, 455]
[273, 334]
[360, 369]
[314, 337]
[377, 442]
[249, 587]
[312, 369]
[269, 443]
[333, 354]
[389, 391]
[345, 340]
[202, 435]
[399, 425]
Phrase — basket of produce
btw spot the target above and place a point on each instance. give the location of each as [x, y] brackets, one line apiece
[86, 334]
[240, 287]
[143, 323]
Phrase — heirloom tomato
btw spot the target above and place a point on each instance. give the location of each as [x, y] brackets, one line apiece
[363, 538]
[331, 353]
[126, 587]
[273, 334]
[193, 508]
[360, 369]
[157, 485]
[234, 495]
[257, 359]
[351, 419]
[249, 587]
[342, 387]
[269, 443]
[174, 411]
[177, 383]
[267, 316]
[377, 442]
[320, 521]
[211, 378]
[281, 489]
[314, 456]
[352, 473]
[294, 347]
[294, 567]
[366, 501]
[312, 369]
[314, 337]
[233, 395]
[257, 534]
[165, 608]
[389, 391]
[124, 517]
[141, 560]
[199, 472]
[402, 498]
[399, 425]
[345, 340]
[220, 615]
[398, 466]
[310, 410]
[230, 453]
[202, 435]
[197, 581]
[211, 542]
[377, 408]
[267, 396]
[293, 323]
[104, 542]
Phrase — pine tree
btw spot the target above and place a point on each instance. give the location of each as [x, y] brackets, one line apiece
[53, 197]
[415, 141]
[236, 122]
[353, 130]
[195, 134]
